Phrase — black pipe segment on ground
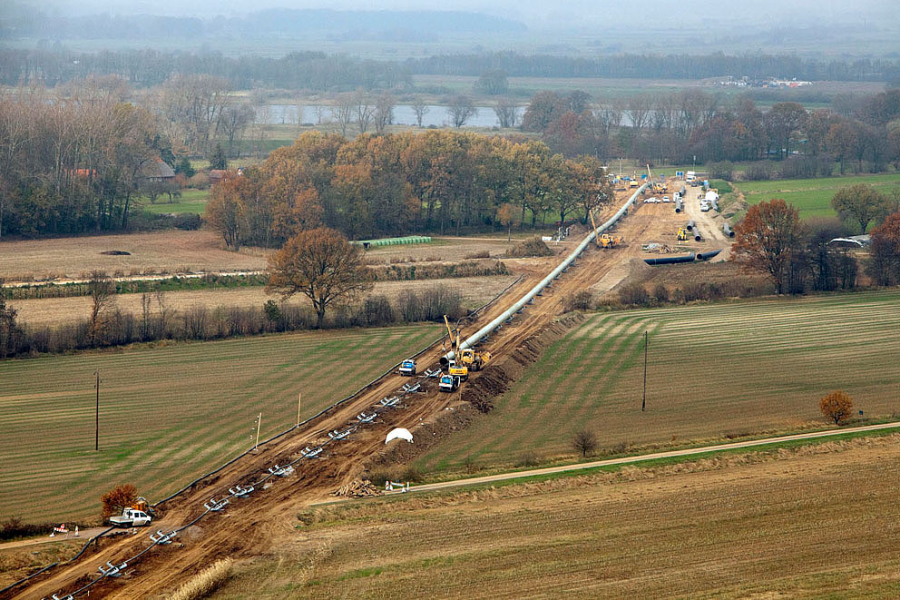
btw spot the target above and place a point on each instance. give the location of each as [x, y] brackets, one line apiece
[728, 230]
[669, 260]
[708, 255]
[678, 205]
[690, 225]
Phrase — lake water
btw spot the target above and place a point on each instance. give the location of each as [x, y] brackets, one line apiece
[403, 115]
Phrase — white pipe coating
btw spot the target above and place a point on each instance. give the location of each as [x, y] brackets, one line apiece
[474, 339]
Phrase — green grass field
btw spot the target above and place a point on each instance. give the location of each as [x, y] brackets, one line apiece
[714, 371]
[191, 201]
[812, 197]
[167, 414]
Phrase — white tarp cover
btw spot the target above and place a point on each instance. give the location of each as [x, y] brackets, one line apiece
[399, 434]
[711, 196]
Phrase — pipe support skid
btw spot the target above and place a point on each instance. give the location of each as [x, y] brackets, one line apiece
[481, 333]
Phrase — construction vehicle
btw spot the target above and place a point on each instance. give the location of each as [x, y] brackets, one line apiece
[474, 360]
[448, 383]
[610, 241]
[454, 341]
[130, 517]
[459, 371]
[408, 368]
[143, 505]
[683, 235]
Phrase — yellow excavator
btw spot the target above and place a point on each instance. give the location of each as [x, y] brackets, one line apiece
[457, 369]
[610, 241]
[660, 187]
[466, 359]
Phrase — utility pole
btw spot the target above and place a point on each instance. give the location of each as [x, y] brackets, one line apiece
[644, 400]
[97, 414]
[299, 399]
[258, 427]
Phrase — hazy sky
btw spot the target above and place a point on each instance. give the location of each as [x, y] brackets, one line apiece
[537, 13]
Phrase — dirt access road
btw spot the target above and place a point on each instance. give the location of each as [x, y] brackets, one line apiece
[443, 485]
[253, 526]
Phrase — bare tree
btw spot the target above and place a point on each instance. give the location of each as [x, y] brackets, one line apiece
[342, 112]
[321, 114]
[461, 110]
[420, 108]
[638, 110]
[507, 113]
[585, 441]
[365, 112]
[384, 111]
[103, 291]
[197, 101]
[233, 122]
[263, 113]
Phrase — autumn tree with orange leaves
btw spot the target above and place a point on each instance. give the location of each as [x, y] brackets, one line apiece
[320, 264]
[118, 499]
[836, 406]
[884, 265]
[767, 240]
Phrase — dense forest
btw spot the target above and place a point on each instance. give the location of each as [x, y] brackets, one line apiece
[381, 185]
[318, 71]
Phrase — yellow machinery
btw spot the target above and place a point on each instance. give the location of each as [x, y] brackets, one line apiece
[453, 368]
[457, 370]
[610, 241]
[474, 360]
[683, 234]
[454, 340]
[660, 187]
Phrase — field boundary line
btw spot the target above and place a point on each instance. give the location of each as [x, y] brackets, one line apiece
[428, 487]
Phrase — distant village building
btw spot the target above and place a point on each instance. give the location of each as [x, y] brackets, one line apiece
[158, 171]
[221, 175]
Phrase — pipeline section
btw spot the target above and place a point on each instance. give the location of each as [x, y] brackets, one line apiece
[484, 331]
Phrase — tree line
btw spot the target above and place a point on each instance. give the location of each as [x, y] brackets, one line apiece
[75, 164]
[314, 71]
[391, 184]
[798, 256]
[106, 325]
[318, 71]
[696, 126]
[650, 66]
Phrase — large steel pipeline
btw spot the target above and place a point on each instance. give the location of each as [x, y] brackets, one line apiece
[726, 228]
[669, 260]
[678, 205]
[708, 255]
[474, 339]
[690, 225]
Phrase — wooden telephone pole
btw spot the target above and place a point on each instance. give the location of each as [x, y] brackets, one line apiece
[644, 400]
[97, 414]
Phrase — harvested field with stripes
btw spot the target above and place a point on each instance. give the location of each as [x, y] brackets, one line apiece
[168, 413]
[715, 371]
[814, 522]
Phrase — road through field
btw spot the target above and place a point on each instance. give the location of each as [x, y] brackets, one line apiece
[443, 485]
[252, 526]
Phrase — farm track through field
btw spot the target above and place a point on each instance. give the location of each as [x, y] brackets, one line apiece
[250, 527]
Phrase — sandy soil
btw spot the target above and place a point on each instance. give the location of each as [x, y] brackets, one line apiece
[475, 291]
